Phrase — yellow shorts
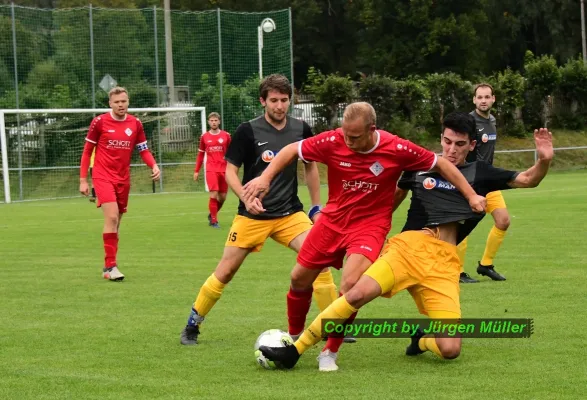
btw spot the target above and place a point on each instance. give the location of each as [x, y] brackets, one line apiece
[427, 267]
[494, 201]
[249, 233]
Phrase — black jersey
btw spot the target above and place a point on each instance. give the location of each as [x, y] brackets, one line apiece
[486, 138]
[254, 144]
[436, 201]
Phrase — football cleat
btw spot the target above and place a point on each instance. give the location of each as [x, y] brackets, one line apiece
[189, 335]
[414, 349]
[466, 278]
[489, 270]
[112, 274]
[327, 361]
[287, 356]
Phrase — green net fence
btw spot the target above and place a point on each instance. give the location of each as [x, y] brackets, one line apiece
[70, 58]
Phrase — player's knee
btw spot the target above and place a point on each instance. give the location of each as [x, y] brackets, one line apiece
[347, 283]
[302, 278]
[503, 223]
[226, 269]
[450, 349]
[112, 220]
[355, 298]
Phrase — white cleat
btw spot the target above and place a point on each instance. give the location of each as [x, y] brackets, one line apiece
[327, 361]
[112, 274]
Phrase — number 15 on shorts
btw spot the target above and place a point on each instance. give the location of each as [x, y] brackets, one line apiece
[232, 236]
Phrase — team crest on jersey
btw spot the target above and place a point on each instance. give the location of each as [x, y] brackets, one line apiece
[485, 138]
[267, 156]
[128, 131]
[429, 183]
[376, 168]
[220, 140]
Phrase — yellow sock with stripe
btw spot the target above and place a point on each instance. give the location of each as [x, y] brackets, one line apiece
[494, 240]
[428, 342]
[339, 309]
[209, 294]
[324, 290]
[462, 252]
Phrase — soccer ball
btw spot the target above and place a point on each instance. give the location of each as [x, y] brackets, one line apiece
[271, 338]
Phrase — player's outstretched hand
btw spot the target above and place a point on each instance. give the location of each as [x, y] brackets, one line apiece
[257, 187]
[254, 206]
[478, 203]
[156, 173]
[543, 140]
[84, 188]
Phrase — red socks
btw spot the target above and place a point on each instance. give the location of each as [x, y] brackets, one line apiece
[335, 341]
[213, 207]
[110, 249]
[298, 305]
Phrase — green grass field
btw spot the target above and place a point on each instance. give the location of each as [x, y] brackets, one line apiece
[67, 333]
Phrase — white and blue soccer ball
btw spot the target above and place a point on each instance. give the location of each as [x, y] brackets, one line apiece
[271, 338]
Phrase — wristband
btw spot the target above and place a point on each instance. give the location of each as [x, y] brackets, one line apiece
[314, 210]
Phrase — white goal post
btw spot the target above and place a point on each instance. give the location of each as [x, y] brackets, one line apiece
[48, 112]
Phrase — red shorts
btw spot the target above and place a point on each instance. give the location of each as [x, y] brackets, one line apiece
[325, 247]
[112, 192]
[216, 182]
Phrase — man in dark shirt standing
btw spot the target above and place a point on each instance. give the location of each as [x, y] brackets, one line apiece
[423, 258]
[281, 217]
[486, 137]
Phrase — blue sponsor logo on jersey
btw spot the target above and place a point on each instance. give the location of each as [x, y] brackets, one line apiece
[432, 183]
[269, 155]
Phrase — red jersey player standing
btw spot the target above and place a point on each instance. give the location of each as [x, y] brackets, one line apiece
[364, 165]
[114, 135]
[213, 145]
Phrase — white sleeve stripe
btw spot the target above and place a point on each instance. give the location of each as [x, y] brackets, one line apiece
[138, 144]
[434, 162]
[201, 151]
[91, 141]
[300, 151]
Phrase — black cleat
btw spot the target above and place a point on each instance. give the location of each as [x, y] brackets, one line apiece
[286, 357]
[489, 270]
[466, 278]
[414, 349]
[189, 335]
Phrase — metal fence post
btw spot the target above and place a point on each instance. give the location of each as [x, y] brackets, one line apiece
[93, 80]
[221, 73]
[158, 100]
[18, 135]
[291, 50]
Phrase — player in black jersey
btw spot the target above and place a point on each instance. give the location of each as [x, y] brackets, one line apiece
[423, 258]
[483, 98]
[281, 217]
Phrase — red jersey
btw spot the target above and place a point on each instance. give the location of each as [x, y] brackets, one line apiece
[361, 186]
[214, 146]
[115, 141]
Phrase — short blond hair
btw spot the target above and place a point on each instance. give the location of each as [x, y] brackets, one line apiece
[360, 109]
[214, 115]
[117, 90]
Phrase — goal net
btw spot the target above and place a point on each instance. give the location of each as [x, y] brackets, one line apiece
[41, 150]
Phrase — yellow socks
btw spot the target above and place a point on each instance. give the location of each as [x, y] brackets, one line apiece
[324, 290]
[462, 252]
[339, 309]
[209, 295]
[494, 240]
[428, 342]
